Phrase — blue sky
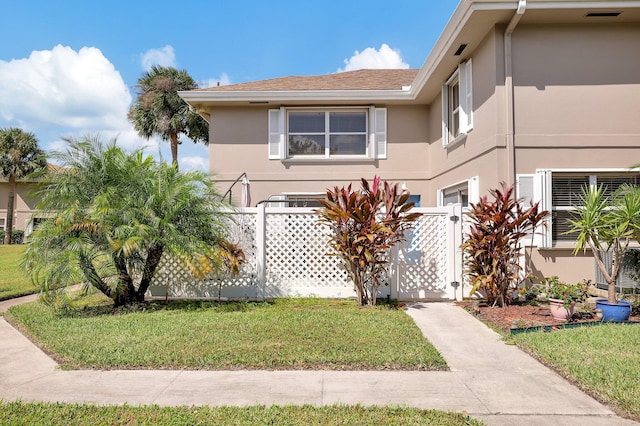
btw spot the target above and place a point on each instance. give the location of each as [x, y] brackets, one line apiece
[70, 68]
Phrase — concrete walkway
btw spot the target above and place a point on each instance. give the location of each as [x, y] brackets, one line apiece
[489, 380]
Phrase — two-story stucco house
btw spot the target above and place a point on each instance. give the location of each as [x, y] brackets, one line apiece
[541, 94]
[25, 204]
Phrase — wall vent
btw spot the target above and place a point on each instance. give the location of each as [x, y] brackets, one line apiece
[602, 14]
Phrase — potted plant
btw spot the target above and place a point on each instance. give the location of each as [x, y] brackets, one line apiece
[608, 224]
[563, 297]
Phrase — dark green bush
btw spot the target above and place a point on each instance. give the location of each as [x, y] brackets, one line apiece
[17, 236]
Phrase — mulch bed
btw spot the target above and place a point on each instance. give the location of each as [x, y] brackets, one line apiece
[523, 316]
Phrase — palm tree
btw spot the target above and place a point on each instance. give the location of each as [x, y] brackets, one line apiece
[19, 157]
[115, 214]
[607, 224]
[158, 110]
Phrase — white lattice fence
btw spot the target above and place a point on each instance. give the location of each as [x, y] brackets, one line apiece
[286, 252]
[172, 280]
[296, 257]
[423, 261]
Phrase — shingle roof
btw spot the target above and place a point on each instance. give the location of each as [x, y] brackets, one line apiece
[377, 79]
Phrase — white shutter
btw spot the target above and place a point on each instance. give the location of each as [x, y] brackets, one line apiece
[279, 197]
[465, 77]
[474, 190]
[524, 193]
[276, 134]
[445, 115]
[542, 193]
[380, 132]
[524, 188]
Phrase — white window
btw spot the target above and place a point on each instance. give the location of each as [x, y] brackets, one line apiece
[296, 199]
[457, 104]
[463, 193]
[566, 190]
[325, 134]
[559, 192]
[2, 224]
[304, 199]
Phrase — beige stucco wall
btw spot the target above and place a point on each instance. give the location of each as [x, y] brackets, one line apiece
[577, 99]
[482, 152]
[24, 204]
[562, 263]
[238, 143]
[577, 96]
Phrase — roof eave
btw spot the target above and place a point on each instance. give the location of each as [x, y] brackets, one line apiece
[195, 97]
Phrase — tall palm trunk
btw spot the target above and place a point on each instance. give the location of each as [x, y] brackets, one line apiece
[174, 149]
[8, 226]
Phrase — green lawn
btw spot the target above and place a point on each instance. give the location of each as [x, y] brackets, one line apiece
[14, 281]
[604, 360]
[19, 413]
[285, 334]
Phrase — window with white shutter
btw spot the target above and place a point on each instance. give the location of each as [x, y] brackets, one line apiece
[560, 191]
[457, 104]
[315, 133]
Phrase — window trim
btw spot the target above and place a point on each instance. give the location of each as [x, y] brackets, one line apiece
[462, 77]
[328, 133]
[472, 189]
[294, 197]
[376, 135]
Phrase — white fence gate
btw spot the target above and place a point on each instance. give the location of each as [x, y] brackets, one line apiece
[286, 255]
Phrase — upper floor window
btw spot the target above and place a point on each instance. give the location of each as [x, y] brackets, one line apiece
[326, 134]
[457, 104]
[310, 133]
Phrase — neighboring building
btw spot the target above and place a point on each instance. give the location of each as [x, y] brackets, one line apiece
[540, 93]
[25, 205]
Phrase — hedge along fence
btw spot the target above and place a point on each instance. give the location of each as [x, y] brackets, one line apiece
[287, 255]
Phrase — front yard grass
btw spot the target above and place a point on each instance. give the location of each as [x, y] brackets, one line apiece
[603, 360]
[19, 413]
[14, 281]
[284, 334]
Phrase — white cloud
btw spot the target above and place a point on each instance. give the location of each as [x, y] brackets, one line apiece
[194, 163]
[165, 57]
[59, 89]
[62, 93]
[223, 80]
[370, 58]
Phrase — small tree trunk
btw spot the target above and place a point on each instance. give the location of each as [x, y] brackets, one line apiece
[92, 276]
[125, 292]
[616, 260]
[8, 226]
[153, 260]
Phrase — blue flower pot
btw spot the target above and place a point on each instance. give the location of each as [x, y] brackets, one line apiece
[614, 312]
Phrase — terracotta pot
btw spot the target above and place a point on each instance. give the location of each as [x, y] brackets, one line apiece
[558, 311]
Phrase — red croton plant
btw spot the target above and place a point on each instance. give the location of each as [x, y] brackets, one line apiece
[364, 225]
[492, 246]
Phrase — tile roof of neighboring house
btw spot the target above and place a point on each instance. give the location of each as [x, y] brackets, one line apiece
[50, 167]
[377, 79]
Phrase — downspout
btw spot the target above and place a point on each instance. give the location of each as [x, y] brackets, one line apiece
[508, 85]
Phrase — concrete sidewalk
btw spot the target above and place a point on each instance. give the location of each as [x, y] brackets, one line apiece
[489, 380]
